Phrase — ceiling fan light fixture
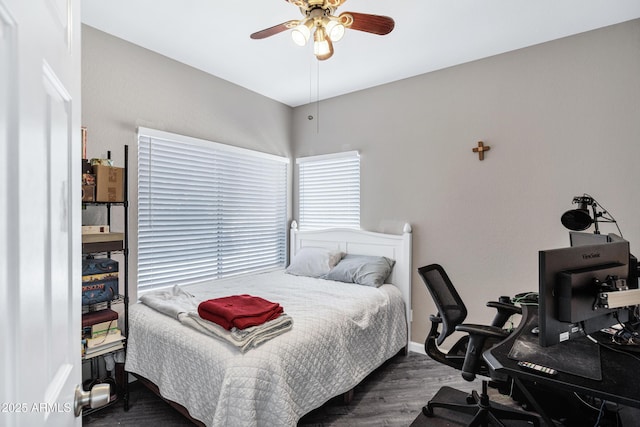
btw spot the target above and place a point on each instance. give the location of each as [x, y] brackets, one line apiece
[322, 45]
[302, 32]
[335, 30]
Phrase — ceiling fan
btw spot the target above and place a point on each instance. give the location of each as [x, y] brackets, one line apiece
[321, 22]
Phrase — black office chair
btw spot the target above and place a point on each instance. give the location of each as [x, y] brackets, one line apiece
[466, 353]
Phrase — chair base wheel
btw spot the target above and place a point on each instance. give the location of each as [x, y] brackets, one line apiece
[427, 411]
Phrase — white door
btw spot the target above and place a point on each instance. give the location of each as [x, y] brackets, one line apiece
[39, 212]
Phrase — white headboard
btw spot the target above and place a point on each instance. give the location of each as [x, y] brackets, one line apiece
[360, 242]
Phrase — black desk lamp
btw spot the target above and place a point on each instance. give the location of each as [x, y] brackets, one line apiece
[580, 219]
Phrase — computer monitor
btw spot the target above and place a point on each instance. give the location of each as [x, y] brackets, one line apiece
[568, 289]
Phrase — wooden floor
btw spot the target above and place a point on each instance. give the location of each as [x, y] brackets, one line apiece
[391, 396]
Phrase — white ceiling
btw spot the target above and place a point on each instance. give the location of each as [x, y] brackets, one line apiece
[213, 36]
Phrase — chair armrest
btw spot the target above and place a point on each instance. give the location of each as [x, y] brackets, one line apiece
[506, 306]
[477, 336]
[505, 310]
[483, 330]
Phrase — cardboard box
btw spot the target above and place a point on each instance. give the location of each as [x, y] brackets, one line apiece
[109, 183]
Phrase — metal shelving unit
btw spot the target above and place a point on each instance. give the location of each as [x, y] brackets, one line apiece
[107, 249]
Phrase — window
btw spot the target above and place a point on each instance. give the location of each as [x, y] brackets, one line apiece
[207, 210]
[329, 191]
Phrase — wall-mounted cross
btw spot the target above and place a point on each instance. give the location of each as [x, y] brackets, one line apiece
[480, 149]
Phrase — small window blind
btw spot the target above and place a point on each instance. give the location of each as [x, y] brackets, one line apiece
[207, 210]
[329, 191]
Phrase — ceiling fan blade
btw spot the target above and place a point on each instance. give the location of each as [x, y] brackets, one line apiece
[376, 24]
[267, 32]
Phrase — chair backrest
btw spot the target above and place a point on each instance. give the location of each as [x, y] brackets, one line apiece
[450, 307]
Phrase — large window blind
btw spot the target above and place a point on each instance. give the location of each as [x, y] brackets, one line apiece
[329, 191]
[207, 210]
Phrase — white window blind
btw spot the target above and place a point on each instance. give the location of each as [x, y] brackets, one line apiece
[207, 210]
[329, 191]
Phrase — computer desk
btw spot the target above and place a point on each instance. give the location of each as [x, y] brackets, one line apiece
[620, 372]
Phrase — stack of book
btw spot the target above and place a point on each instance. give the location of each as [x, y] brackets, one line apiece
[100, 333]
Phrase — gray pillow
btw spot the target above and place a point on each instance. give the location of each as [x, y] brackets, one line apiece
[314, 262]
[362, 269]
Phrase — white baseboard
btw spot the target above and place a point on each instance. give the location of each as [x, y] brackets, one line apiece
[416, 347]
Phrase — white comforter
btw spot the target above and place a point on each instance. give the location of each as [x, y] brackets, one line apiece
[341, 332]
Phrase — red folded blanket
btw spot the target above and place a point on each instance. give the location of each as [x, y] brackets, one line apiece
[241, 311]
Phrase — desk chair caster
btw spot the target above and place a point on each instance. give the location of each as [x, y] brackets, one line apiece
[471, 399]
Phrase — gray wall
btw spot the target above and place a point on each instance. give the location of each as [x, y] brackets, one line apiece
[562, 119]
[125, 86]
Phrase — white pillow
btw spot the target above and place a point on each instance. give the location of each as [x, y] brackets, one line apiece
[314, 262]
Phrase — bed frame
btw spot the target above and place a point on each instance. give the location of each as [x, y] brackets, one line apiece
[360, 242]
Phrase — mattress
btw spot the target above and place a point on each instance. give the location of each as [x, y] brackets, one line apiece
[341, 333]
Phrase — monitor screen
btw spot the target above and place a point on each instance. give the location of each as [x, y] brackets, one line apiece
[568, 289]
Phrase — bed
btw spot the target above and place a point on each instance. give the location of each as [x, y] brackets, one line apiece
[340, 333]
